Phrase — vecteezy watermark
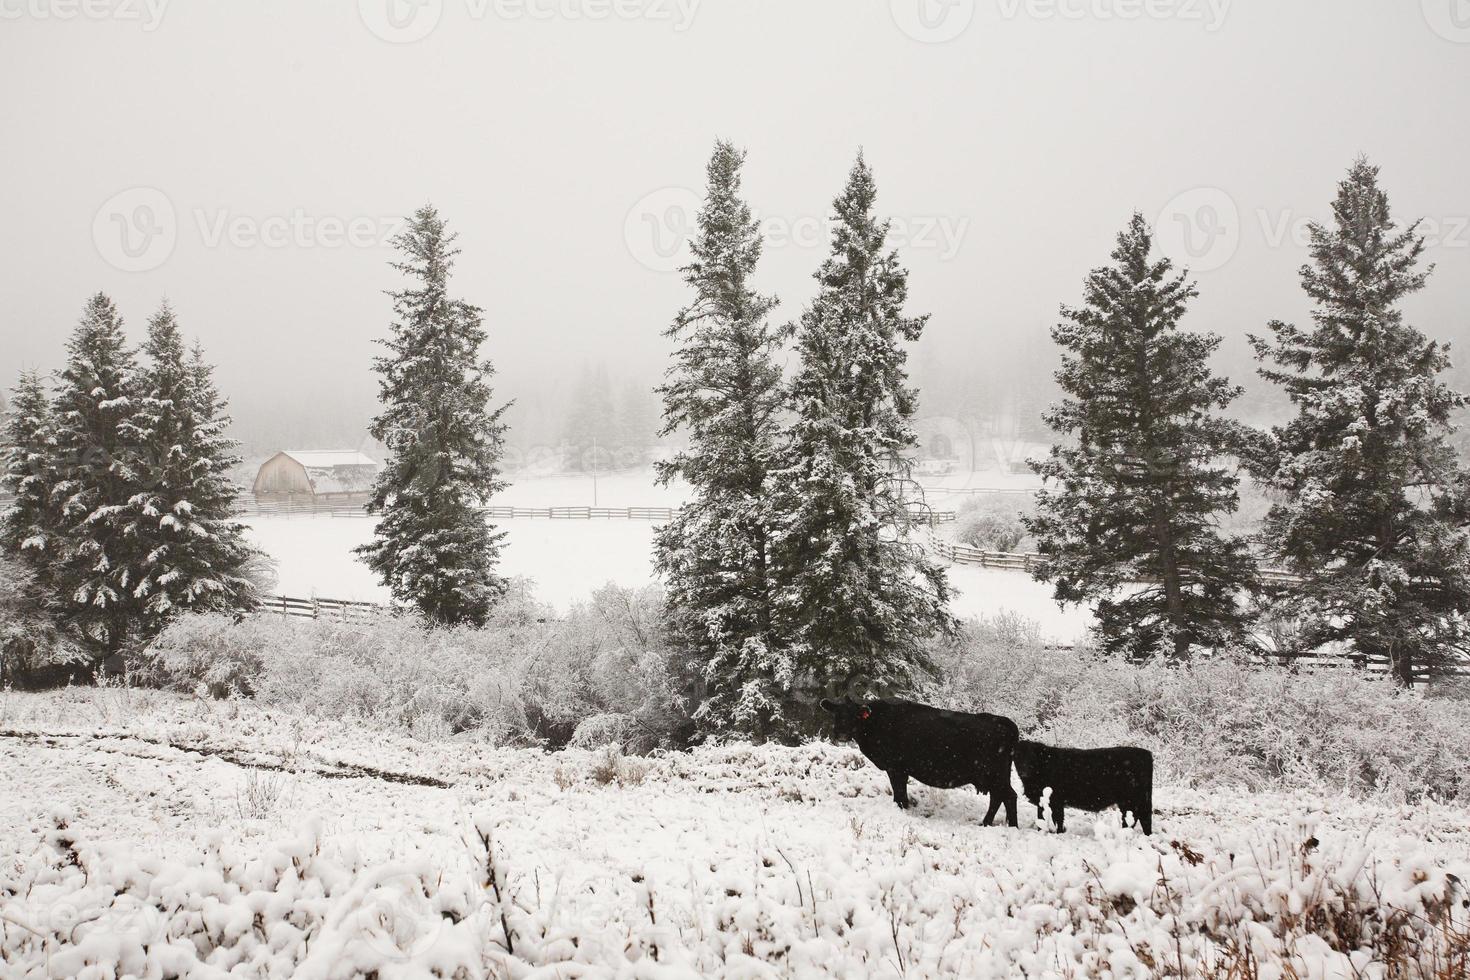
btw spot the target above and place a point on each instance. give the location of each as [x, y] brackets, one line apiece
[136, 230]
[1450, 19]
[932, 21]
[1285, 227]
[401, 21]
[406, 21]
[1199, 228]
[398, 919]
[660, 226]
[1210, 13]
[295, 229]
[148, 13]
[1203, 229]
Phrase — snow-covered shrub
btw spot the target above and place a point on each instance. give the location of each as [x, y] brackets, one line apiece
[992, 523]
[29, 640]
[1223, 721]
[527, 677]
[604, 730]
[219, 654]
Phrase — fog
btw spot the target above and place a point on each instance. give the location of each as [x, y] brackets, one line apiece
[248, 161]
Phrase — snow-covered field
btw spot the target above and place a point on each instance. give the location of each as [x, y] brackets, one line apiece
[217, 833]
[567, 560]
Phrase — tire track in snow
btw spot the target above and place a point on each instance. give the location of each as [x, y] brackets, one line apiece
[244, 760]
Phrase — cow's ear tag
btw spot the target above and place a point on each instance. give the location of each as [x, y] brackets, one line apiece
[865, 713]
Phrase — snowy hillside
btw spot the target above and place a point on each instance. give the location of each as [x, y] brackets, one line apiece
[193, 836]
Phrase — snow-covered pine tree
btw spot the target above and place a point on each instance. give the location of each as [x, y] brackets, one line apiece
[638, 424]
[433, 546]
[29, 530]
[592, 437]
[858, 595]
[723, 393]
[182, 515]
[97, 570]
[1375, 501]
[1135, 491]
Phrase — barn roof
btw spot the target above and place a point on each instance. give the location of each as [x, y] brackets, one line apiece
[328, 458]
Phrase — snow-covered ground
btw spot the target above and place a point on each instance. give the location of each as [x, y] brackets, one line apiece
[567, 560]
[287, 846]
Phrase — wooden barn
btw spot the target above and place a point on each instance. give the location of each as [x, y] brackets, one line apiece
[334, 476]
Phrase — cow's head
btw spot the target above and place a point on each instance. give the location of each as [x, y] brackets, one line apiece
[848, 717]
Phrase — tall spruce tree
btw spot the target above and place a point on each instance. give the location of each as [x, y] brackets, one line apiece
[1136, 498]
[723, 392]
[592, 439]
[858, 596]
[433, 546]
[97, 570]
[30, 529]
[1375, 501]
[192, 552]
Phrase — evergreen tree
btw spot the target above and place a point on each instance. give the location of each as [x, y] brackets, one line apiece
[638, 425]
[1375, 501]
[592, 437]
[182, 515]
[857, 596]
[97, 569]
[1138, 494]
[29, 530]
[434, 548]
[723, 392]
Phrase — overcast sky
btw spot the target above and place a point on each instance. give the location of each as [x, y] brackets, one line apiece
[248, 160]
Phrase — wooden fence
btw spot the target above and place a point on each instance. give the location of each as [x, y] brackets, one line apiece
[1025, 561]
[340, 610]
[976, 491]
[254, 508]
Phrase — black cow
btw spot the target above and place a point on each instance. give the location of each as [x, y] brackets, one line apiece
[1089, 779]
[937, 747]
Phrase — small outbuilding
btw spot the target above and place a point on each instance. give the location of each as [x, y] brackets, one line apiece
[334, 476]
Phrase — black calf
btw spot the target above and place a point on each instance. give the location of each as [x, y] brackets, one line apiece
[1089, 779]
[937, 747]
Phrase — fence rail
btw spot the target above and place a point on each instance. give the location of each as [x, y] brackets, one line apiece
[1025, 561]
[341, 610]
[975, 491]
[252, 508]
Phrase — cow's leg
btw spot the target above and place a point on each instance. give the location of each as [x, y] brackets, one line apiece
[1145, 814]
[1000, 792]
[994, 804]
[1008, 796]
[900, 782]
[1059, 814]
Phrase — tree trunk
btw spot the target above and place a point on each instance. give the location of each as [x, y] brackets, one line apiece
[1173, 595]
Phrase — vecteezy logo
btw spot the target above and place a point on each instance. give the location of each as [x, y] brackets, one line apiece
[932, 21]
[136, 230]
[398, 920]
[1450, 19]
[401, 21]
[1199, 229]
[659, 227]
